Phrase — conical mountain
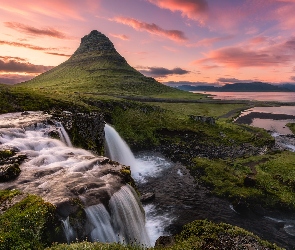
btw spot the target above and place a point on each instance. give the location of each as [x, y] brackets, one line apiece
[96, 67]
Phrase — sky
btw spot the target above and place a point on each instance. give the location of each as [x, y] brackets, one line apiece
[178, 41]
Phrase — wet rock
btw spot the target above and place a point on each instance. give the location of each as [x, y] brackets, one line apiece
[9, 172]
[10, 162]
[165, 241]
[147, 197]
[249, 181]
[86, 130]
[241, 207]
[54, 134]
[204, 119]
[259, 210]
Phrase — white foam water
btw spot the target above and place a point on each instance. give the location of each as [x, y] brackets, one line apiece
[64, 135]
[142, 166]
[125, 223]
[155, 223]
[69, 231]
[54, 167]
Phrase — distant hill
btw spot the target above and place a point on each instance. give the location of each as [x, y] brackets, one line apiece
[95, 68]
[288, 86]
[242, 87]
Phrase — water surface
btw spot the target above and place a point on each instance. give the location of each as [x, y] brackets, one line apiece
[252, 96]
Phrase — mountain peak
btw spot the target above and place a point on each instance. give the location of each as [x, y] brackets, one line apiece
[95, 42]
[97, 67]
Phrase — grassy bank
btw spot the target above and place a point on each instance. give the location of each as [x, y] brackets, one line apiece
[201, 234]
[291, 126]
[268, 179]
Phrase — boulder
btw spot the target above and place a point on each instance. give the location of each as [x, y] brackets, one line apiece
[147, 197]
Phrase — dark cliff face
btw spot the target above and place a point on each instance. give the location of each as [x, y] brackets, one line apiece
[95, 41]
[96, 47]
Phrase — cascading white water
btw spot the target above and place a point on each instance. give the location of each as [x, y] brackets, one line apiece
[125, 223]
[69, 231]
[117, 149]
[141, 168]
[130, 226]
[100, 224]
[58, 172]
[64, 135]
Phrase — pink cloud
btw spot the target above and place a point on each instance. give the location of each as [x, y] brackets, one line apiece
[120, 36]
[57, 54]
[193, 9]
[210, 41]
[239, 57]
[152, 28]
[7, 58]
[51, 32]
[25, 45]
[15, 78]
[285, 15]
[258, 40]
[21, 66]
[54, 8]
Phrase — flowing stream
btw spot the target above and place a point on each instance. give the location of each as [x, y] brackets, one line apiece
[58, 172]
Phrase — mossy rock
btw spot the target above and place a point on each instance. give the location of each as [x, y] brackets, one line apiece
[204, 234]
[28, 224]
[6, 153]
[9, 172]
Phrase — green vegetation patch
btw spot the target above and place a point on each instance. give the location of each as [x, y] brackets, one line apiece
[268, 179]
[203, 234]
[203, 109]
[200, 234]
[94, 246]
[28, 224]
[7, 195]
[291, 126]
[143, 125]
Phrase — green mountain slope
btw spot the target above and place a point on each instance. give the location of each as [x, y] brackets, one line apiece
[96, 68]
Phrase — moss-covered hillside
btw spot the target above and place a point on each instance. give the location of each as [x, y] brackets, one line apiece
[96, 68]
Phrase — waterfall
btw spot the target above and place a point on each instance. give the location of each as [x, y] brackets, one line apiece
[128, 217]
[118, 150]
[141, 169]
[63, 134]
[125, 223]
[69, 231]
[100, 224]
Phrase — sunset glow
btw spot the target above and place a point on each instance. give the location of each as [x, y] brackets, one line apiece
[194, 41]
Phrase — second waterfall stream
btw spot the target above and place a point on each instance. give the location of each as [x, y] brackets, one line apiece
[142, 167]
